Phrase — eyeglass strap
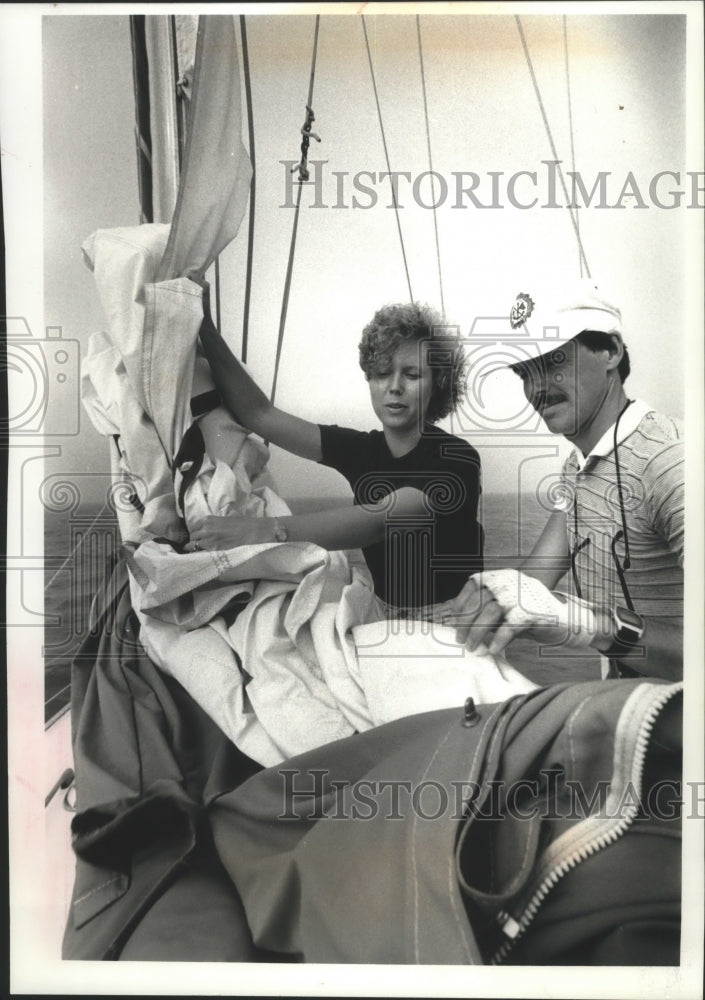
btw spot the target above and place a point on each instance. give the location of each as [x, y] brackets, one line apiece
[575, 548]
[620, 572]
[620, 534]
[627, 560]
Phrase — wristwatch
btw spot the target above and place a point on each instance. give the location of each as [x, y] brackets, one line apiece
[280, 532]
[629, 628]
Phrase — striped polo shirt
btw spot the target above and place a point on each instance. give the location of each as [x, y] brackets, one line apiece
[650, 456]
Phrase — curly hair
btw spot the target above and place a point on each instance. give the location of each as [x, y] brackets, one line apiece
[395, 325]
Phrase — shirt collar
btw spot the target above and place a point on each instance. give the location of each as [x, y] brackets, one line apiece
[630, 420]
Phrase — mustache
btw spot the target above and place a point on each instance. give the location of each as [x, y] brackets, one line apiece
[547, 397]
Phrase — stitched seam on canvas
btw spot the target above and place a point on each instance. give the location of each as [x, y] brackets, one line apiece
[116, 878]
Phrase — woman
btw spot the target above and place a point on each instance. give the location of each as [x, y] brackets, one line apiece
[416, 487]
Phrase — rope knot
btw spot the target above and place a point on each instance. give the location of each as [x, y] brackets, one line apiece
[307, 134]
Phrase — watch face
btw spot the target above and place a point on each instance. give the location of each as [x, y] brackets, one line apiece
[630, 627]
[630, 619]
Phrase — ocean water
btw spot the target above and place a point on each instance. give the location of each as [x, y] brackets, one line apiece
[79, 549]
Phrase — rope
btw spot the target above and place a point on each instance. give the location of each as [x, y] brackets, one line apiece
[285, 298]
[573, 215]
[251, 227]
[306, 131]
[386, 155]
[430, 162]
[292, 246]
[570, 125]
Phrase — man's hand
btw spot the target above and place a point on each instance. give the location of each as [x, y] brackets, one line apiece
[228, 532]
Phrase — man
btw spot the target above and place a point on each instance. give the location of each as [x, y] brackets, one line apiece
[619, 533]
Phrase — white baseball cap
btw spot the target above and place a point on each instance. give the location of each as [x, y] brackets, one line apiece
[542, 320]
[552, 318]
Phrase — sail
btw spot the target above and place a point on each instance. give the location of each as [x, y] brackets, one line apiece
[193, 169]
[216, 171]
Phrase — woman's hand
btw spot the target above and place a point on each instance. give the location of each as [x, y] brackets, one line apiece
[228, 532]
[476, 615]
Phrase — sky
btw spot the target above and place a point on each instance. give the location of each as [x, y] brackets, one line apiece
[483, 119]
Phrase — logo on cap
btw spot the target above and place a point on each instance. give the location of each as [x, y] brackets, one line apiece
[521, 310]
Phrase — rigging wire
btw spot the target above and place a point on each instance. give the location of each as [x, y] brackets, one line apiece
[143, 135]
[294, 230]
[217, 293]
[180, 110]
[312, 75]
[76, 547]
[386, 155]
[570, 125]
[60, 712]
[430, 161]
[573, 214]
[251, 227]
[285, 297]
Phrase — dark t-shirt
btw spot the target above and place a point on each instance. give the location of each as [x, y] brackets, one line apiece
[425, 559]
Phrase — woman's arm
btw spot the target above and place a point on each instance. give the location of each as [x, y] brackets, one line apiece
[248, 404]
[338, 528]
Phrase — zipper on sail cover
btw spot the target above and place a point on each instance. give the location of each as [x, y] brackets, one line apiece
[609, 829]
